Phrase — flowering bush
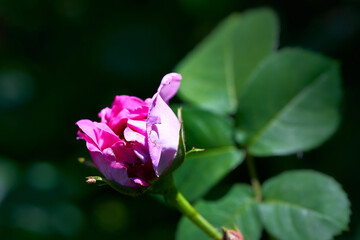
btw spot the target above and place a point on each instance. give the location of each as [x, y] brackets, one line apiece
[136, 140]
[249, 100]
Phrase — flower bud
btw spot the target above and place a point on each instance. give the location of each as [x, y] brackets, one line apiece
[230, 234]
[137, 141]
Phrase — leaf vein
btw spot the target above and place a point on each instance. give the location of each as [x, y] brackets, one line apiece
[229, 73]
[313, 211]
[293, 101]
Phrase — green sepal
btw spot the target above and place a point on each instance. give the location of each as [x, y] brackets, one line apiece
[134, 192]
[163, 185]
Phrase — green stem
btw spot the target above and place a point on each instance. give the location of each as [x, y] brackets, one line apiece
[253, 176]
[179, 201]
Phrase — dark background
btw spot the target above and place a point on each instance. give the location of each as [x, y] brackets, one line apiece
[65, 60]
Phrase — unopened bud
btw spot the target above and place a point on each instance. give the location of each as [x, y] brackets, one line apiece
[93, 179]
[230, 234]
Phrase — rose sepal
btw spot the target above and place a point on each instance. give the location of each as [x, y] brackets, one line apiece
[133, 192]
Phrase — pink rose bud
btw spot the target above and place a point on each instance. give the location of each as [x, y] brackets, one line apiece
[230, 234]
[136, 140]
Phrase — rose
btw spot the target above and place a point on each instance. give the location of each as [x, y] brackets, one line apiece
[230, 234]
[136, 141]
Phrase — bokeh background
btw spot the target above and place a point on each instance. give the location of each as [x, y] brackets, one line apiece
[65, 60]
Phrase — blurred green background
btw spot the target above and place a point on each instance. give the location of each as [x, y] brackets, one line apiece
[65, 60]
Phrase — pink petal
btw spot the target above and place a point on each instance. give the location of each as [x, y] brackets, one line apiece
[155, 147]
[137, 125]
[169, 86]
[163, 134]
[129, 107]
[124, 108]
[140, 181]
[112, 170]
[124, 154]
[105, 114]
[98, 133]
[128, 102]
[133, 136]
[141, 152]
[138, 144]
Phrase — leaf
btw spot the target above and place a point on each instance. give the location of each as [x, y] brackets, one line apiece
[207, 130]
[214, 72]
[202, 170]
[238, 208]
[303, 205]
[290, 103]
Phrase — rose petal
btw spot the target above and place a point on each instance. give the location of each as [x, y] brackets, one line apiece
[140, 181]
[128, 102]
[137, 125]
[141, 151]
[133, 136]
[169, 86]
[112, 170]
[125, 154]
[129, 107]
[105, 114]
[154, 144]
[99, 133]
[163, 134]
[124, 108]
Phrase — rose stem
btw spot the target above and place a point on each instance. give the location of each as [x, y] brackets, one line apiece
[179, 201]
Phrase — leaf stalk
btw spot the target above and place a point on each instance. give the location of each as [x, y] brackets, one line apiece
[253, 177]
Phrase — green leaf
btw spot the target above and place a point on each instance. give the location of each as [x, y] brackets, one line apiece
[290, 104]
[214, 73]
[207, 130]
[202, 170]
[303, 205]
[238, 208]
